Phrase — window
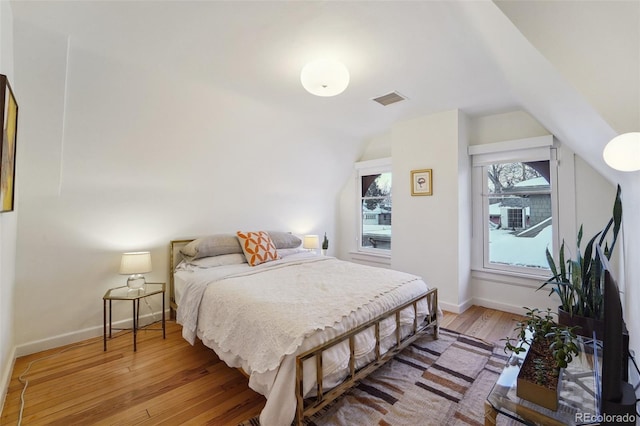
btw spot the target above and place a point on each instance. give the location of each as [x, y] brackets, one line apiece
[514, 208]
[520, 219]
[374, 206]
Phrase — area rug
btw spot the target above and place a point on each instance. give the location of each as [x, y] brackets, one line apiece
[431, 382]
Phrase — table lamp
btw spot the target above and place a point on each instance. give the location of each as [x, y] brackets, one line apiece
[310, 242]
[135, 264]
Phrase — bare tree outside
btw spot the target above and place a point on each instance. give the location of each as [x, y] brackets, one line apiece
[376, 211]
[519, 213]
[506, 175]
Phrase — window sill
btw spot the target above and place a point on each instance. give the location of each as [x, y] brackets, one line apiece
[507, 277]
[381, 259]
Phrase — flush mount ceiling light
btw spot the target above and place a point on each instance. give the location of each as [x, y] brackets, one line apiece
[325, 77]
[623, 152]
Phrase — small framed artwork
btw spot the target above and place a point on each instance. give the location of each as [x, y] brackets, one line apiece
[421, 182]
[9, 120]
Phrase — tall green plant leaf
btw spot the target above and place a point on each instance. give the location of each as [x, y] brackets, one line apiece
[552, 263]
[563, 267]
[588, 253]
[617, 219]
[578, 282]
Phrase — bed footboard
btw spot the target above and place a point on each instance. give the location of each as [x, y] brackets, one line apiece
[309, 407]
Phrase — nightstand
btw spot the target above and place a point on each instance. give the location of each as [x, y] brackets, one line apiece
[134, 296]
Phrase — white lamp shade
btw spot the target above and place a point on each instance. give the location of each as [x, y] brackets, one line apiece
[623, 152]
[135, 263]
[324, 77]
[310, 242]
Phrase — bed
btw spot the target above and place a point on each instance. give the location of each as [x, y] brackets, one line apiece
[304, 328]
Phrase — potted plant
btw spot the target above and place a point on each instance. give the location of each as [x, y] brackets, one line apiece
[578, 282]
[549, 348]
[325, 244]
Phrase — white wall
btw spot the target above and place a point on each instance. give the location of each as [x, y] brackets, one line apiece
[581, 196]
[118, 158]
[594, 202]
[428, 230]
[378, 146]
[631, 230]
[431, 234]
[7, 221]
[105, 156]
[600, 57]
[375, 147]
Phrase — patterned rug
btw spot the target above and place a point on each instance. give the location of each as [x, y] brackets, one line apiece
[431, 382]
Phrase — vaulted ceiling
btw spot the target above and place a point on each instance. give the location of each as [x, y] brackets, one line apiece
[574, 66]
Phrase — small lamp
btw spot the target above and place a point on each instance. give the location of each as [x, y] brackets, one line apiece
[310, 242]
[623, 152]
[135, 264]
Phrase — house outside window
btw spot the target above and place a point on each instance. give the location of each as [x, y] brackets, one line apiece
[514, 206]
[520, 221]
[374, 206]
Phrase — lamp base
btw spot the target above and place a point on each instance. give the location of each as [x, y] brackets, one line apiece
[136, 282]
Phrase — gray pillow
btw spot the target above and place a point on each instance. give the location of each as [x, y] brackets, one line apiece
[213, 245]
[284, 240]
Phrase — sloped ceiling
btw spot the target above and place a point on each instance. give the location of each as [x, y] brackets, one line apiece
[257, 49]
[594, 50]
[594, 45]
[574, 66]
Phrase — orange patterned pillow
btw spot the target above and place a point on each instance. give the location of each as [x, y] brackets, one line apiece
[257, 247]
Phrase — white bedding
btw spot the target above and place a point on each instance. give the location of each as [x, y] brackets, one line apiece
[233, 310]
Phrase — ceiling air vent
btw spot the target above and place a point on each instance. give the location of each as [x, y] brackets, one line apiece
[389, 98]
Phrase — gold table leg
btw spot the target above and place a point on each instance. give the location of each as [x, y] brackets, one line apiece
[490, 414]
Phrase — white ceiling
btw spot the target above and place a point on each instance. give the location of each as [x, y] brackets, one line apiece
[441, 55]
[258, 49]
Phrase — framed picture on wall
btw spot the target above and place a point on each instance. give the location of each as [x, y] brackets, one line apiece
[421, 182]
[8, 145]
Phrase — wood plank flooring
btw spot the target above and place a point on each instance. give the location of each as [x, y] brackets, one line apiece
[166, 382]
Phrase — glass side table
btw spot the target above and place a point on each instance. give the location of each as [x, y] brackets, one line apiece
[133, 295]
[579, 400]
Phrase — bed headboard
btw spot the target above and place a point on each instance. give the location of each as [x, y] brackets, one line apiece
[174, 259]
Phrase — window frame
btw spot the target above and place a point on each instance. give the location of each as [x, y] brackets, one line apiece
[522, 150]
[366, 168]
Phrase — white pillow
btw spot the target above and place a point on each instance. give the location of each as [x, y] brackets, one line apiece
[212, 245]
[222, 260]
[284, 240]
[289, 251]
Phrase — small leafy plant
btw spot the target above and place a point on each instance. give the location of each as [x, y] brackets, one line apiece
[552, 346]
[540, 371]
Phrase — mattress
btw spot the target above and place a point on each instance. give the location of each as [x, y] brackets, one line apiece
[218, 324]
[179, 282]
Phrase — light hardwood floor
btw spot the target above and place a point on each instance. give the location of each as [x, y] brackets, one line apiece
[166, 382]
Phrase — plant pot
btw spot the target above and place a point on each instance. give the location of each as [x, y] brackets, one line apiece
[546, 395]
[586, 325]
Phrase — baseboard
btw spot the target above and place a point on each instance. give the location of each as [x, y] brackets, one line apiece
[456, 309]
[486, 303]
[5, 379]
[74, 336]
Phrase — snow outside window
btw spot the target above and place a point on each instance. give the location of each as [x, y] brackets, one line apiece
[514, 206]
[374, 206]
[518, 215]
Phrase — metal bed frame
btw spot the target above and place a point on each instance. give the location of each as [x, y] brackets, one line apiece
[310, 406]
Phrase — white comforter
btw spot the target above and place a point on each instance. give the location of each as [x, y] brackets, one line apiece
[258, 318]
